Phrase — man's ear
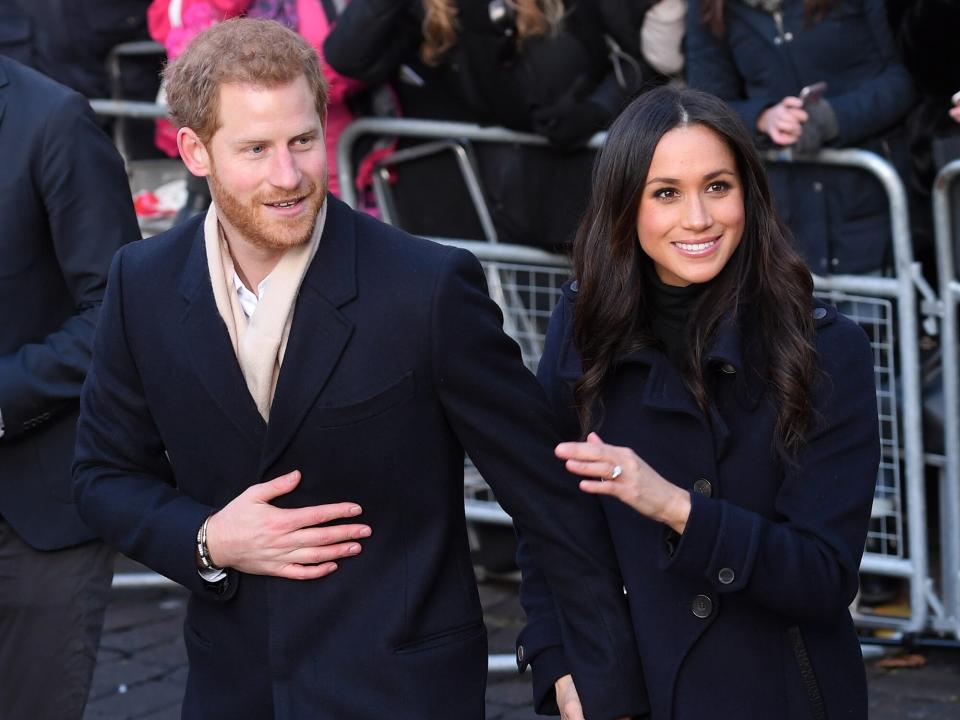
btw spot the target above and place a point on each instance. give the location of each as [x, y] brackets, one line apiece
[193, 152]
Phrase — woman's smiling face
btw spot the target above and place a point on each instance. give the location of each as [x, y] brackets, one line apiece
[690, 218]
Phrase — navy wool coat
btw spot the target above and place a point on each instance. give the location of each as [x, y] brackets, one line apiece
[396, 362]
[65, 209]
[838, 216]
[746, 614]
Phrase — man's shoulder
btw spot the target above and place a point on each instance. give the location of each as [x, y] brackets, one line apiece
[31, 87]
[378, 238]
[163, 253]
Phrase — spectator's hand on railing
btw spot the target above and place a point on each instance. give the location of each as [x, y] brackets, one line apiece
[253, 536]
[569, 121]
[819, 129]
[954, 111]
[783, 122]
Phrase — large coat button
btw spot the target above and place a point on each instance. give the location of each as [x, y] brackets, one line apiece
[703, 487]
[819, 313]
[702, 606]
[520, 653]
[728, 368]
[726, 576]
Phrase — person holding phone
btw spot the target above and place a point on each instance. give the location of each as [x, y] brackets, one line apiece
[728, 425]
[758, 55]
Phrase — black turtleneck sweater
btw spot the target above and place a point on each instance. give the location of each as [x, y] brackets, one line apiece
[670, 311]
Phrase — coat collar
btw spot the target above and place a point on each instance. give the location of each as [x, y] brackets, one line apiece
[318, 335]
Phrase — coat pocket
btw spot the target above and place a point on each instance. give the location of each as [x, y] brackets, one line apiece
[808, 677]
[376, 403]
[440, 639]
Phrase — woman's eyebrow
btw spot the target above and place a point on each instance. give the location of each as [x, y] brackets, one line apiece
[674, 181]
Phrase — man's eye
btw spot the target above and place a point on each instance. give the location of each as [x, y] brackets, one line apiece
[256, 149]
[304, 140]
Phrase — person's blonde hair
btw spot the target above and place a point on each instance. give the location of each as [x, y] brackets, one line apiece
[262, 53]
[533, 18]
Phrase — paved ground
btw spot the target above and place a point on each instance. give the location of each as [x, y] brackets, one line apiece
[141, 668]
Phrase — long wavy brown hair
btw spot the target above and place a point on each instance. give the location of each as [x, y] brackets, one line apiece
[533, 18]
[711, 13]
[765, 282]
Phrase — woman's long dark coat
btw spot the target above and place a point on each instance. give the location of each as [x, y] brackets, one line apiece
[838, 216]
[746, 614]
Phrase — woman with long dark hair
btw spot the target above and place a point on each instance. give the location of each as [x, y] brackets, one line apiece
[729, 425]
[760, 55]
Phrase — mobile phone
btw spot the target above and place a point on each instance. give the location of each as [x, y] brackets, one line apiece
[955, 98]
[811, 93]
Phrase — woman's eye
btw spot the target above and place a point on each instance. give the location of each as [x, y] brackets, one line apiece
[719, 186]
[666, 193]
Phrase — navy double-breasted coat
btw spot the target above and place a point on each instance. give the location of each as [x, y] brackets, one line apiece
[396, 363]
[746, 614]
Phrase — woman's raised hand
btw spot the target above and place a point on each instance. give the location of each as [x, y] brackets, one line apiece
[627, 477]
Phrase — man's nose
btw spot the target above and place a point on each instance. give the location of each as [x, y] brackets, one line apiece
[284, 172]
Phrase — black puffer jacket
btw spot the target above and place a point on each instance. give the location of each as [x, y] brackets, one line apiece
[487, 76]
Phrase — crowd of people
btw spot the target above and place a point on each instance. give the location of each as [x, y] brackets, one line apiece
[270, 403]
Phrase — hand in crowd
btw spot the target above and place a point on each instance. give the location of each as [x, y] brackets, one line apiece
[955, 110]
[569, 121]
[253, 536]
[784, 121]
[635, 484]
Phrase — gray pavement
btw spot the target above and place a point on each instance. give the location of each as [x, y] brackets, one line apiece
[141, 668]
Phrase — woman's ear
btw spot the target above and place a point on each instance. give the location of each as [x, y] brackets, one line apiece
[193, 152]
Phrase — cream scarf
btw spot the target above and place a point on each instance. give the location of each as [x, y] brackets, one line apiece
[260, 342]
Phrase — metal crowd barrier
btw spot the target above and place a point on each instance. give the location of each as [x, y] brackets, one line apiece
[947, 239]
[886, 307]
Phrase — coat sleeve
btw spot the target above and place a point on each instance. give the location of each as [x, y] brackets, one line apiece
[371, 40]
[84, 190]
[711, 68]
[540, 644]
[123, 482]
[882, 101]
[805, 565]
[500, 415]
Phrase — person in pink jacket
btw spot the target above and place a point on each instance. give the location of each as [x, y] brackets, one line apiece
[174, 23]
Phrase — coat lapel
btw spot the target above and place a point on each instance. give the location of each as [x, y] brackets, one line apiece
[210, 348]
[319, 332]
[3, 83]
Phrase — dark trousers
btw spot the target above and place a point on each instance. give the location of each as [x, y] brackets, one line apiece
[51, 613]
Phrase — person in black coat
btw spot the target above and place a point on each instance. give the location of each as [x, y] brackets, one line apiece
[730, 428]
[759, 55]
[561, 71]
[65, 209]
[246, 395]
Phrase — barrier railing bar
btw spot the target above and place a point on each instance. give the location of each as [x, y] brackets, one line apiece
[128, 108]
[144, 579]
[906, 279]
[949, 294]
[427, 129]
